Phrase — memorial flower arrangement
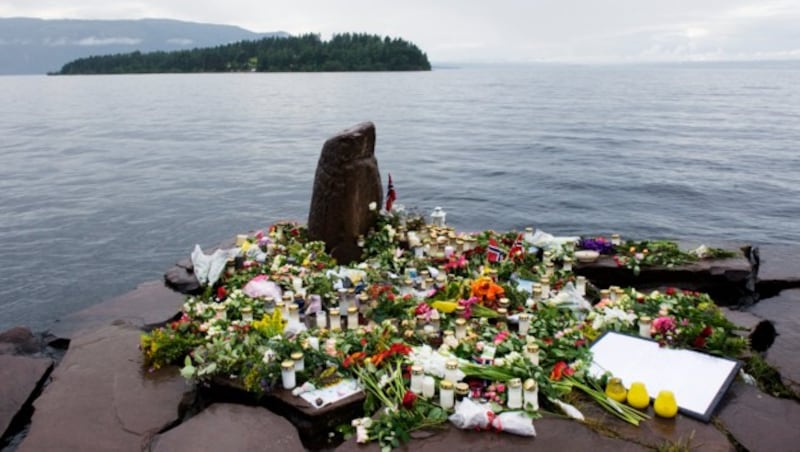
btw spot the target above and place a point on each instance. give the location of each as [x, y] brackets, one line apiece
[454, 305]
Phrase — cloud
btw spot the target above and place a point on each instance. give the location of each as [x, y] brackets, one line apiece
[180, 41]
[94, 41]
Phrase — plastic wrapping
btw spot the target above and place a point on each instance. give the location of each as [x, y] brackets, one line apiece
[208, 268]
[516, 422]
[470, 415]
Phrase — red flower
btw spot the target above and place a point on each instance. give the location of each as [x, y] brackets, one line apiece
[409, 399]
[560, 370]
[580, 343]
[670, 291]
[699, 342]
[222, 292]
[399, 348]
[548, 341]
[707, 331]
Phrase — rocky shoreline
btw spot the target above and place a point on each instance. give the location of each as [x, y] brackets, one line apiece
[82, 386]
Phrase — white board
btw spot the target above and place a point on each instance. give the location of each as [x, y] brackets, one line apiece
[698, 380]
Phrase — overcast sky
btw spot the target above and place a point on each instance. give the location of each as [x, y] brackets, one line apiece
[493, 31]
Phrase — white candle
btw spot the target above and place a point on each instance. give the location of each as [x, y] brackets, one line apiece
[524, 323]
[299, 362]
[247, 314]
[461, 328]
[532, 351]
[514, 394]
[313, 342]
[428, 387]
[288, 374]
[545, 284]
[344, 302]
[336, 319]
[352, 318]
[417, 375]
[220, 312]
[567, 267]
[451, 371]
[446, 394]
[644, 326]
[322, 319]
[531, 394]
[294, 313]
[580, 285]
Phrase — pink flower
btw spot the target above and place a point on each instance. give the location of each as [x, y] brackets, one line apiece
[501, 336]
[664, 324]
[501, 388]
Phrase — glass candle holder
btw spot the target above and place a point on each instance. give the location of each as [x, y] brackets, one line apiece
[514, 394]
[417, 375]
[644, 326]
[446, 394]
[616, 240]
[299, 362]
[547, 257]
[288, 376]
[451, 370]
[352, 318]
[532, 352]
[428, 387]
[461, 312]
[461, 328]
[504, 303]
[536, 295]
[247, 314]
[269, 305]
[524, 323]
[335, 319]
[530, 394]
[549, 269]
[438, 217]
[567, 265]
[322, 319]
[545, 285]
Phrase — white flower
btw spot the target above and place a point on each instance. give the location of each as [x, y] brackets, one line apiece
[269, 355]
[373, 206]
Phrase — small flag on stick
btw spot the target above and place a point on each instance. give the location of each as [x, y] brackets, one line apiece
[494, 253]
[517, 250]
[391, 196]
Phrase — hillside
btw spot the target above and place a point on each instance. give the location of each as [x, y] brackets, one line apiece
[37, 46]
[307, 53]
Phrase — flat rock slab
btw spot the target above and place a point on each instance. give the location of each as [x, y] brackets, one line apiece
[19, 340]
[784, 311]
[779, 267]
[101, 399]
[760, 422]
[19, 378]
[150, 303]
[728, 281]
[228, 427]
[552, 434]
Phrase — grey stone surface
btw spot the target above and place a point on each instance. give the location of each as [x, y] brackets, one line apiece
[552, 434]
[227, 427]
[101, 399]
[19, 377]
[760, 422]
[148, 304]
[780, 263]
[347, 180]
[183, 280]
[784, 312]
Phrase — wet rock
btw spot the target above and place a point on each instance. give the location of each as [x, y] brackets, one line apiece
[728, 281]
[784, 312]
[230, 427]
[100, 398]
[347, 180]
[19, 340]
[778, 269]
[182, 280]
[760, 422]
[552, 434]
[149, 304]
[658, 432]
[19, 378]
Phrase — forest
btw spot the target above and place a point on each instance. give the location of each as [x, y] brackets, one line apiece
[306, 53]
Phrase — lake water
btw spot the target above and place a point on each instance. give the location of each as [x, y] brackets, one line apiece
[105, 181]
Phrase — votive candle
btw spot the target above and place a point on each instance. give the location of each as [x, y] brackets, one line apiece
[417, 375]
[428, 387]
[299, 362]
[288, 377]
[336, 319]
[322, 319]
[352, 318]
[446, 394]
[514, 394]
[531, 394]
[524, 323]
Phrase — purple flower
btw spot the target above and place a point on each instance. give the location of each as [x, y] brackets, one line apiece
[598, 244]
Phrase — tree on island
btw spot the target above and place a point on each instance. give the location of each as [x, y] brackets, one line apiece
[306, 53]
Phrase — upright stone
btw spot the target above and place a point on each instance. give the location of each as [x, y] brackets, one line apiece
[346, 182]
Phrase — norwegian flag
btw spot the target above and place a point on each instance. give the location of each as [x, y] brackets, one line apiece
[391, 196]
[517, 250]
[494, 253]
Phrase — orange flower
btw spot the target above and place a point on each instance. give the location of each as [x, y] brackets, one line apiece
[486, 290]
[353, 359]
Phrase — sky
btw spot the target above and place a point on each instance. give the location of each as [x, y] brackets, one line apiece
[493, 31]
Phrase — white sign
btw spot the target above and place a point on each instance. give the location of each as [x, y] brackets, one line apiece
[698, 380]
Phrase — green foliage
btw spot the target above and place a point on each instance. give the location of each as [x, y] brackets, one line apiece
[306, 53]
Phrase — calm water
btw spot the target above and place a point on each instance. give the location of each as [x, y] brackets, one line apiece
[106, 181]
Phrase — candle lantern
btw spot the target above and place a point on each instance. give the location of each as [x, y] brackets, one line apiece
[299, 362]
[352, 318]
[446, 394]
[451, 370]
[247, 314]
[288, 376]
[438, 217]
[336, 319]
[531, 394]
[417, 375]
[461, 328]
[532, 352]
[567, 267]
[428, 387]
[294, 313]
[220, 312]
[524, 323]
[644, 326]
[545, 285]
[514, 394]
[580, 285]
[322, 319]
[616, 240]
[462, 390]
